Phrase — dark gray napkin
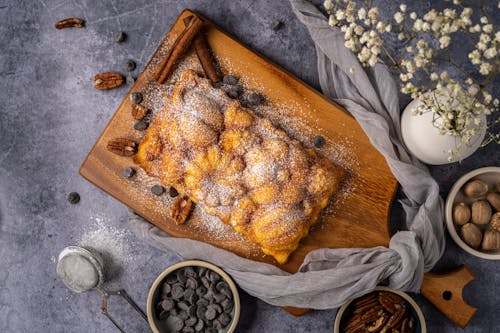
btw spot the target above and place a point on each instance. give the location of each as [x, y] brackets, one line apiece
[328, 277]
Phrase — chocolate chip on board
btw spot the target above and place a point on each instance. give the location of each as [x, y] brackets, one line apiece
[319, 141]
[128, 172]
[157, 190]
[136, 97]
[173, 192]
[230, 79]
[74, 198]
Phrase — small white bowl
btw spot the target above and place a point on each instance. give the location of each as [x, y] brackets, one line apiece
[154, 294]
[491, 175]
[415, 310]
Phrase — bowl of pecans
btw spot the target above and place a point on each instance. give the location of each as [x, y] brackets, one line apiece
[383, 310]
[193, 296]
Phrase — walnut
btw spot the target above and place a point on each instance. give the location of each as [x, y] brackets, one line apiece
[471, 234]
[475, 188]
[461, 213]
[481, 212]
[494, 200]
[491, 240]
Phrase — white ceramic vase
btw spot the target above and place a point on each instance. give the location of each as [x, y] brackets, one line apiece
[423, 140]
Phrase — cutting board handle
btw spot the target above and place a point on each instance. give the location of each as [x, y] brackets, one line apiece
[445, 292]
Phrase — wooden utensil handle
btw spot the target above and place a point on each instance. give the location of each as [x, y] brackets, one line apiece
[445, 292]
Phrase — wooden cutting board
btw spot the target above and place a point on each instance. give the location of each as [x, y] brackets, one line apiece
[359, 212]
[358, 216]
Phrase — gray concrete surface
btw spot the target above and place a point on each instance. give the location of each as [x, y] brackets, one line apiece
[50, 116]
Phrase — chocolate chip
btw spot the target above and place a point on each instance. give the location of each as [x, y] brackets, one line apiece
[214, 277]
[130, 65]
[136, 97]
[210, 330]
[230, 79]
[167, 304]
[172, 192]
[183, 306]
[199, 325]
[174, 312]
[234, 91]
[157, 190]
[141, 125]
[255, 99]
[177, 291]
[74, 198]
[191, 283]
[227, 305]
[181, 276]
[183, 315]
[128, 172]
[191, 321]
[201, 290]
[171, 279]
[187, 294]
[190, 272]
[163, 315]
[187, 330]
[219, 297]
[192, 310]
[178, 325]
[319, 141]
[227, 292]
[166, 288]
[211, 313]
[202, 302]
[205, 282]
[120, 37]
[216, 307]
[224, 319]
[216, 324]
[221, 285]
[275, 25]
[200, 312]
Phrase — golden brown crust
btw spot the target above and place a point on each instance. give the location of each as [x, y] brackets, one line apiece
[244, 170]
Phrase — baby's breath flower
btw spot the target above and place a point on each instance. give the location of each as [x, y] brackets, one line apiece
[475, 57]
[490, 53]
[444, 41]
[413, 15]
[362, 13]
[398, 17]
[434, 76]
[401, 36]
[483, 20]
[402, 7]
[328, 4]
[485, 68]
[332, 21]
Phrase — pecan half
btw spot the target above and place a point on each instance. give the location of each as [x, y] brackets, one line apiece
[366, 306]
[72, 22]
[108, 80]
[396, 319]
[122, 146]
[364, 299]
[378, 324]
[372, 314]
[390, 301]
[138, 111]
[181, 209]
[354, 325]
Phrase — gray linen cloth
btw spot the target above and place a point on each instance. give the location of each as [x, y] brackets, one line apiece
[328, 277]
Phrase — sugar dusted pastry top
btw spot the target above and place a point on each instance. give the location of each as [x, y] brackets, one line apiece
[238, 165]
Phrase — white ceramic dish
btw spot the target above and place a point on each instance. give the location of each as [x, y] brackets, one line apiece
[415, 310]
[153, 319]
[490, 175]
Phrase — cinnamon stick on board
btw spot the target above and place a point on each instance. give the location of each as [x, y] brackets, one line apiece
[204, 53]
[180, 46]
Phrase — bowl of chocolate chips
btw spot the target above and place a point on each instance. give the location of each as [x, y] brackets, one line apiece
[193, 296]
[383, 310]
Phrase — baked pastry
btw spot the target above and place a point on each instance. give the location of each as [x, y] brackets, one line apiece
[238, 166]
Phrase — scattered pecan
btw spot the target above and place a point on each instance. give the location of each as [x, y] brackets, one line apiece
[390, 301]
[181, 209]
[72, 22]
[108, 80]
[122, 146]
[139, 111]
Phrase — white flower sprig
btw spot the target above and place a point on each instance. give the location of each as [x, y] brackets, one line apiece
[459, 104]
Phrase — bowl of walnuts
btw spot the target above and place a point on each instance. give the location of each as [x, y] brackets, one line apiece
[382, 310]
[472, 212]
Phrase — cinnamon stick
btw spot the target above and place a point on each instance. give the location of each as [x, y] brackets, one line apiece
[204, 53]
[179, 47]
